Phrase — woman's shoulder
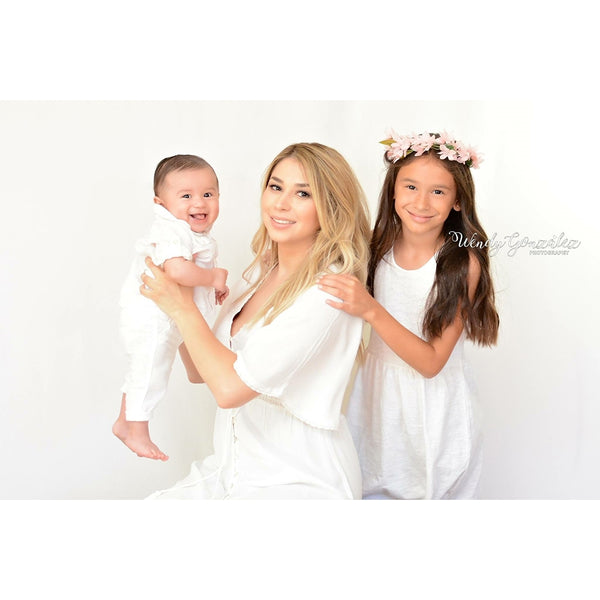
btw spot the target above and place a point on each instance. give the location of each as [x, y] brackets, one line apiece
[312, 302]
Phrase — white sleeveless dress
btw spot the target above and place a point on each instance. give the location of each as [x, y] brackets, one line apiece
[416, 438]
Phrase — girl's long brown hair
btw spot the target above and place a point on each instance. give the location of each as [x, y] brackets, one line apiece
[449, 292]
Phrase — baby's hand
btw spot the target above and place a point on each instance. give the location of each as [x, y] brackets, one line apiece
[220, 296]
[220, 279]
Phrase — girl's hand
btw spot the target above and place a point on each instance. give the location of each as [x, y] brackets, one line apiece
[355, 299]
[169, 296]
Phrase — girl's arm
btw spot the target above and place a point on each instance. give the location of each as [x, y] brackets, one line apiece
[190, 367]
[427, 357]
[212, 359]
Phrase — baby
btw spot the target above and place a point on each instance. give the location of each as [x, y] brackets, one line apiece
[186, 205]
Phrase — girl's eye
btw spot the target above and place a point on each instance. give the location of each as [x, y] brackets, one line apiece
[410, 186]
[438, 192]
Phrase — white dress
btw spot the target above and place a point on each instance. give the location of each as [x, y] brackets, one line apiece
[415, 437]
[150, 337]
[291, 441]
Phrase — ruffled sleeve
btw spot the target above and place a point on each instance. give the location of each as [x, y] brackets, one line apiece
[168, 238]
[303, 358]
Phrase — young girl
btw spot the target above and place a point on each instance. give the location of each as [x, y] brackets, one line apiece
[412, 412]
[279, 360]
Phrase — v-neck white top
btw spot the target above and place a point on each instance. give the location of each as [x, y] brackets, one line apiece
[292, 440]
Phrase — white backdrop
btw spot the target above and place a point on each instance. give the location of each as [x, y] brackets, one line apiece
[76, 190]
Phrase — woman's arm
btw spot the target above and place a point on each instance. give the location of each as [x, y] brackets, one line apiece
[212, 359]
[190, 367]
[427, 357]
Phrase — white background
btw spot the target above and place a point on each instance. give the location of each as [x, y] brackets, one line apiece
[77, 192]
[326, 50]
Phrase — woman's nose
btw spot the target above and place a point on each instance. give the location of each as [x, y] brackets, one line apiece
[282, 201]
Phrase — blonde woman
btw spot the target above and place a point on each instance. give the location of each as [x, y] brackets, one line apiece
[280, 357]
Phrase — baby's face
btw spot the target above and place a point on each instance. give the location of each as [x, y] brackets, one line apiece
[191, 195]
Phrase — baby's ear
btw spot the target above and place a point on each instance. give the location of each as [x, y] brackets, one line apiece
[157, 200]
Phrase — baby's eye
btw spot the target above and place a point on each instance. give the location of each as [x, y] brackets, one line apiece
[187, 196]
[207, 195]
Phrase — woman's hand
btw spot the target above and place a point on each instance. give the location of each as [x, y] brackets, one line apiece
[169, 296]
[355, 299]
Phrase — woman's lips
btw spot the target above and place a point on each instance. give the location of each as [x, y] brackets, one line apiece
[281, 222]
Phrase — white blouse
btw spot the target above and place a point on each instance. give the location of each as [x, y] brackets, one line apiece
[291, 441]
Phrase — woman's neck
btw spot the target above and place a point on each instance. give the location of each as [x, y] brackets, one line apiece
[289, 259]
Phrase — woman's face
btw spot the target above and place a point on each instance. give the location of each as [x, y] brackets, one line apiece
[288, 208]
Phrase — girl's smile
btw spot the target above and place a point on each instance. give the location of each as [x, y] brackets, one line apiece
[424, 194]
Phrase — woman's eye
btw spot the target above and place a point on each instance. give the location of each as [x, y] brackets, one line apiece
[275, 187]
[303, 194]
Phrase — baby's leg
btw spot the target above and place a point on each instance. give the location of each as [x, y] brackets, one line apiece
[136, 436]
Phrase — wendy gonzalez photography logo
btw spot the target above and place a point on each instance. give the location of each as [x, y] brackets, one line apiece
[558, 244]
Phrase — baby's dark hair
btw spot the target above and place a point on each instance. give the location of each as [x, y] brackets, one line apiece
[179, 162]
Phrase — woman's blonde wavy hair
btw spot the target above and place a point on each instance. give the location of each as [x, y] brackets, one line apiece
[342, 242]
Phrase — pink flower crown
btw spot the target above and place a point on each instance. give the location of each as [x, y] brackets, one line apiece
[445, 145]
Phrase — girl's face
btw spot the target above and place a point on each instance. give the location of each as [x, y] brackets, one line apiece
[288, 209]
[424, 195]
[191, 195]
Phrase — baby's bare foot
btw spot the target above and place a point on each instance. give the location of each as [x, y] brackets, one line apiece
[135, 435]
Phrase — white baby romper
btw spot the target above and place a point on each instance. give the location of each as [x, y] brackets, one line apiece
[291, 441]
[150, 337]
[416, 437]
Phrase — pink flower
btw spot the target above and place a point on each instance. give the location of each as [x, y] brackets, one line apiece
[446, 152]
[399, 148]
[445, 138]
[422, 143]
[447, 147]
[462, 154]
[475, 159]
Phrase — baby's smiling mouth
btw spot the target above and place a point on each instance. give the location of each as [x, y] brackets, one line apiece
[199, 216]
